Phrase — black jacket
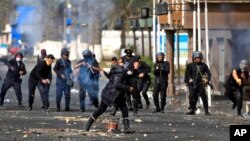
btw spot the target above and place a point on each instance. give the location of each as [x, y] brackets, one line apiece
[14, 74]
[41, 71]
[186, 79]
[145, 69]
[115, 86]
[196, 71]
[161, 71]
[128, 62]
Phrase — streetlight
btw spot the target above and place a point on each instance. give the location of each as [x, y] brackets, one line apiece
[142, 24]
[149, 26]
[134, 26]
[146, 21]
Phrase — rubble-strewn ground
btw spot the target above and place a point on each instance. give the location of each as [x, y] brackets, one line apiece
[19, 124]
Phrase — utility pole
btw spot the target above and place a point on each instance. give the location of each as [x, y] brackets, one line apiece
[194, 26]
[207, 50]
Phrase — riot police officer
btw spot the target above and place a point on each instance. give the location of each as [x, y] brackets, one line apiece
[88, 68]
[127, 61]
[199, 76]
[63, 71]
[16, 69]
[235, 84]
[161, 71]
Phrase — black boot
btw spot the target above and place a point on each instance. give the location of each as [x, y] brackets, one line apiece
[135, 107]
[127, 129]
[89, 123]
[30, 108]
[207, 113]
[156, 110]
[146, 99]
[20, 103]
[58, 107]
[140, 105]
[191, 112]
[234, 106]
[239, 113]
[95, 102]
[67, 106]
[1, 102]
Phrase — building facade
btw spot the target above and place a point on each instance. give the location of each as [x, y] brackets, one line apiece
[228, 32]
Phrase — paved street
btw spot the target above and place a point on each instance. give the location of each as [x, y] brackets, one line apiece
[19, 124]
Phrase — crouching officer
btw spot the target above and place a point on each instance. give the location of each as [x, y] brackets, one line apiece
[161, 71]
[113, 93]
[199, 76]
[235, 84]
[16, 69]
[63, 72]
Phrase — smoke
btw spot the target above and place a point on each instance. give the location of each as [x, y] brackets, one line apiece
[240, 46]
[29, 23]
[93, 13]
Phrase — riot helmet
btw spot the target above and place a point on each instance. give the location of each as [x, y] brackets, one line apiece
[197, 54]
[243, 64]
[160, 55]
[128, 50]
[64, 51]
[87, 54]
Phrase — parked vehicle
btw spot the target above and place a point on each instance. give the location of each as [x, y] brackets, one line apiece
[4, 53]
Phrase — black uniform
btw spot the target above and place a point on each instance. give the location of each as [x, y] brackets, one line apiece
[13, 79]
[234, 91]
[186, 80]
[196, 72]
[144, 82]
[39, 72]
[132, 77]
[128, 63]
[113, 93]
[161, 71]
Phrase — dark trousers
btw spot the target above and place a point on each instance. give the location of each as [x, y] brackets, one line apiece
[194, 93]
[143, 86]
[235, 95]
[17, 88]
[135, 94]
[160, 89]
[120, 103]
[62, 88]
[43, 89]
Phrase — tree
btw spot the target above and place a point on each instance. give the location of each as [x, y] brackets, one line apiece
[5, 12]
[123, 10]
